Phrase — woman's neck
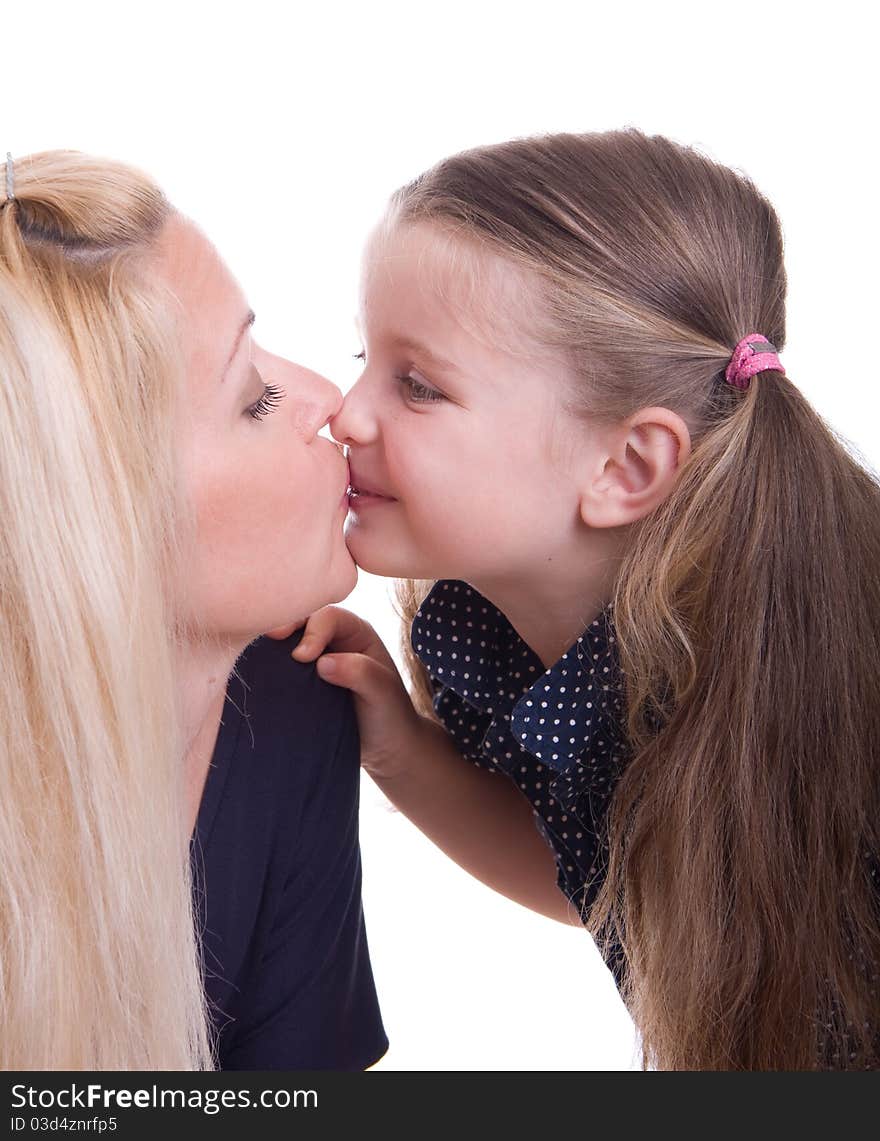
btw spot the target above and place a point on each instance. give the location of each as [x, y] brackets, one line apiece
[203, 669]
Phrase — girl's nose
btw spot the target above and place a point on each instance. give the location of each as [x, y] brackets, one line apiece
[354, 422]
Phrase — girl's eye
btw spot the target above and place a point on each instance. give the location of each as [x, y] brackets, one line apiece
[268, 402]
[420, 393]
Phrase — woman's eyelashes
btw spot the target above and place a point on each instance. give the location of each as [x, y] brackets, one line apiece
[272, 396]
[419, 392]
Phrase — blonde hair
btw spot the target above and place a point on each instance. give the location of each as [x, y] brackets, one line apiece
[745, 829]
[99, 956]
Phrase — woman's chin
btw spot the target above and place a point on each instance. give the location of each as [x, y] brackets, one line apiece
[332, 585]
[349, 579]
[337, 581]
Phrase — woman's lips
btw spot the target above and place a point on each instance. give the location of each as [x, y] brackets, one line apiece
[343, 502]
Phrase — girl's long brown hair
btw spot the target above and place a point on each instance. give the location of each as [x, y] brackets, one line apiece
[742, 878]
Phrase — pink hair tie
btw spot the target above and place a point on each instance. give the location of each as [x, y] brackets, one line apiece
[753, 354]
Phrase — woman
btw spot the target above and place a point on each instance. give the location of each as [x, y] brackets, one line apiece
[181, 872]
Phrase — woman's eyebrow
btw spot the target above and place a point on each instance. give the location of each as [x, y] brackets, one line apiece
[245, 325]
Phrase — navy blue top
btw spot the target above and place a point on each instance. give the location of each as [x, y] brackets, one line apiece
[557, 733]
[277, 864]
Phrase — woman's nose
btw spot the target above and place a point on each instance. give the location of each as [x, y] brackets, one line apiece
[332, 403]
[320, 400]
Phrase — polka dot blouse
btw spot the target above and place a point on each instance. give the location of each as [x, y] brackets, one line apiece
[554, 732]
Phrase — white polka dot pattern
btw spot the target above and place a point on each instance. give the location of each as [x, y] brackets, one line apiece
[555, 732]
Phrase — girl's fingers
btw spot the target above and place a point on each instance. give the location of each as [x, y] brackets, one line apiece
[319, 632]
[363, 676]
[307, 648]
[338, 628]
[282, 632]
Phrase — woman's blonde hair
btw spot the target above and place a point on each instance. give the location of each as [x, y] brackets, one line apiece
[99, 955]
[742, 879]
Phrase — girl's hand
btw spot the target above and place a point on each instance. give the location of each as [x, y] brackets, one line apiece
[389, 725]
[479, 819]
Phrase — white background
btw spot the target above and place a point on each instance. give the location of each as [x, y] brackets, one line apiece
[281, 128]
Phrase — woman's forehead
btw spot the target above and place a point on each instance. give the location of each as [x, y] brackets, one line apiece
[211, 300]
[193, 267]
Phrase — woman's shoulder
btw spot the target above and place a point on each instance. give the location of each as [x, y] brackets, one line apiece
[284, 733]
[278, 864]
[289, 700]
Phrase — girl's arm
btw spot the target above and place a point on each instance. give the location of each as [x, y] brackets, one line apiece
[478, 818]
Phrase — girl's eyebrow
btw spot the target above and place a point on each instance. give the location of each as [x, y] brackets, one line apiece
[439, 364]
[245, 325]
[403, 341]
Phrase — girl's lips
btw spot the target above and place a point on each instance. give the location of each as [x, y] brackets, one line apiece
[359, 487]
[360, 491]
[358, 499]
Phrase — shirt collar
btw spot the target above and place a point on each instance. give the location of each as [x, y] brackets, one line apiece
[468, 645]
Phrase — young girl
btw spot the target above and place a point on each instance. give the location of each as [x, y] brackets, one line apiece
[641, 587]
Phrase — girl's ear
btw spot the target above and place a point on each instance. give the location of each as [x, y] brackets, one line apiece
[637, 469]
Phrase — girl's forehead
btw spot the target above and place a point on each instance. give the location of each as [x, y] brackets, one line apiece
[476, 311]
[421, 255]
[432, 271]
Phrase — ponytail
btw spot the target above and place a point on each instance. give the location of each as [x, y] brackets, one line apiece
[747, 619]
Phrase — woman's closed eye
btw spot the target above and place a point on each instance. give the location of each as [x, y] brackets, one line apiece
[419, 392]
[272, 396]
